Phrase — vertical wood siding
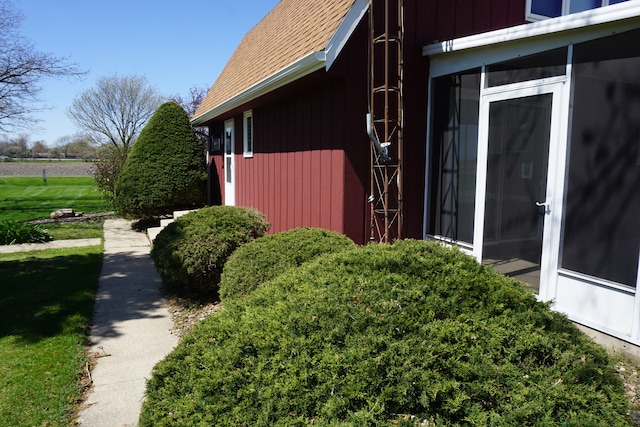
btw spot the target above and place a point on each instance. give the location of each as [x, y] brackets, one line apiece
[296, 174]
[310, 166]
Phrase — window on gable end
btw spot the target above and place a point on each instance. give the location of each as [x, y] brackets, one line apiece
[248, 133]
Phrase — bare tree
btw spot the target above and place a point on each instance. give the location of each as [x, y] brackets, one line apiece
[22, 69]
[190, 104]
[116, 110]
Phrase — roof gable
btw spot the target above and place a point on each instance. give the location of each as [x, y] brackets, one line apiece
[290, 32]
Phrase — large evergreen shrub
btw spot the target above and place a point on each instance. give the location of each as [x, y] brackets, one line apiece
[165, 170]
[403, 334]
[265, 258]
[190, 253]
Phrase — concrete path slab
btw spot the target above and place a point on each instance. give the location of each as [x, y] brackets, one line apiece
[56, 244]
[131, 329]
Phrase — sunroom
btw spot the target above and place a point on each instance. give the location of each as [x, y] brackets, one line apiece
[533, 159]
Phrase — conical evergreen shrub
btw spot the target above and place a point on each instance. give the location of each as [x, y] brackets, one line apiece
[165, 170]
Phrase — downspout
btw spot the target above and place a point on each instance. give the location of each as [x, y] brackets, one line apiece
[381, 148]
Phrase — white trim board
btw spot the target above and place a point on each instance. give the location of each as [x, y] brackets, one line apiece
[480, 49]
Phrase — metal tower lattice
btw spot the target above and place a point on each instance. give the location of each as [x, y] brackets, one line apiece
[385, 119]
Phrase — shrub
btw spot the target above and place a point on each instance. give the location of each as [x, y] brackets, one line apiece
[165, 170]
[190, 253]
[15, 232]
[398, 334]
[265, 258]
[106, 170]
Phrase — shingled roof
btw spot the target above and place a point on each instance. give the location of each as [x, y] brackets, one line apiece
[293, 30]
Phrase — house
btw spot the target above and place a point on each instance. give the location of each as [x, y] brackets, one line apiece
[519, 142]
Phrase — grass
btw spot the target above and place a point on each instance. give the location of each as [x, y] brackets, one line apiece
[46, 302]
[76, 230]
[27, 198]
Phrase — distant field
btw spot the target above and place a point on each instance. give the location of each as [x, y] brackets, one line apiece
[25, 198]
[53, 168]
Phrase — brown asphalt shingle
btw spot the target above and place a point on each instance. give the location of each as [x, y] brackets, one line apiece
[292, 30]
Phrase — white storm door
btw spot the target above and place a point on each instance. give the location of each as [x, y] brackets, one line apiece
[229, 164]
[517, 208]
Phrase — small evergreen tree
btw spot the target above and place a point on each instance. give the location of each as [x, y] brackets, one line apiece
[165, 170]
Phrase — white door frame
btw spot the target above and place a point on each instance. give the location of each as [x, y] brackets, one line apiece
[229, 163]
[553, 217]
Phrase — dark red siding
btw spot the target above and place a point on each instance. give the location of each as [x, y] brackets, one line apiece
[310, 166]
[296, 175]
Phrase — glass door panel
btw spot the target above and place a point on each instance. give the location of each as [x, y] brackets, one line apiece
[229, 164]
[519, 131]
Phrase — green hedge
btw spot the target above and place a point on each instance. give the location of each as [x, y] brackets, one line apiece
[190, 253]
[387, 335]
[265, 258]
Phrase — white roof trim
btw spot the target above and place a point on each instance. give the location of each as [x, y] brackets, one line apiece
[344, 31]
[306, 65]
[603, 15]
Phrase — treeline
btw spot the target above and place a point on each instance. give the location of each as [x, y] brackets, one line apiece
[71, 147]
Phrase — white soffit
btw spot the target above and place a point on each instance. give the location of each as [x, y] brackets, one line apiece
[473, 51]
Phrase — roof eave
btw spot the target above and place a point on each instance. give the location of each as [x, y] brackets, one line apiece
[306, 65]
[344, 31]
[605, 15]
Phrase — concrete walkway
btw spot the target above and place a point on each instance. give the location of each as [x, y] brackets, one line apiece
[131, 329]
[56, 244]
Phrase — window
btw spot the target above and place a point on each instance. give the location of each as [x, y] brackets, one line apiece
[248, 133]
[453, 156]
[600, 228]
[542, 9]
[533, 67]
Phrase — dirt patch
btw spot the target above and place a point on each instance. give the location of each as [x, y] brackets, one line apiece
[53, 168]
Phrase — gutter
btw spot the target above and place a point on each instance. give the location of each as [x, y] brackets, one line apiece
[308, 64]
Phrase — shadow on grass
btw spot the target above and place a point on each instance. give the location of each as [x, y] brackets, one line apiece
[42, 297]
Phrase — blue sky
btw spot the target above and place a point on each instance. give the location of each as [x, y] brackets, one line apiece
[176, 44]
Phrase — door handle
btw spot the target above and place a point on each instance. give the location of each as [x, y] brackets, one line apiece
[546, 206]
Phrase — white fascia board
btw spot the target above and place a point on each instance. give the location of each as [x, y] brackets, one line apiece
[344, 31]
[589, 18]
[303, 67]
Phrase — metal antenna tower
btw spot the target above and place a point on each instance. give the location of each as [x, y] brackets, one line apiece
[385, 118]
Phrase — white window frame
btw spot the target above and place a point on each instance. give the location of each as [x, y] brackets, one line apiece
[247, 136]
[566, 7]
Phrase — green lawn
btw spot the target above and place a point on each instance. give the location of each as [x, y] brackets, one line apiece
[46, 303]
[27, 198]
[76, 230]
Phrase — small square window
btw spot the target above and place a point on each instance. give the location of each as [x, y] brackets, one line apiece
[542, 9]
[248, 133]
[548, 8]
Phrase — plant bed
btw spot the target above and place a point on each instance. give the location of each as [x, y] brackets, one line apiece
[402, 334]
